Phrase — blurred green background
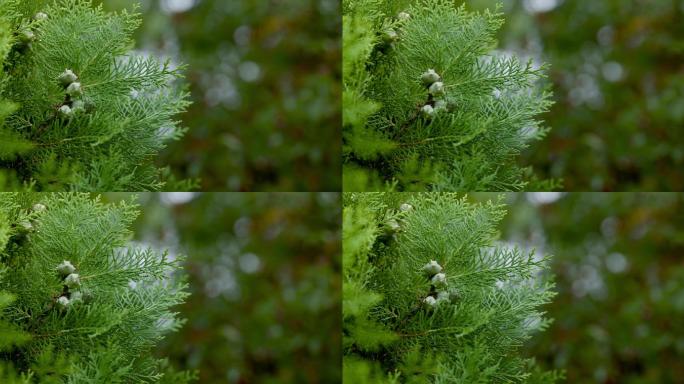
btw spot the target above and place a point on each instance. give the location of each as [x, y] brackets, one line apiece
[264, 273]
[619, 265]
[265, 79]
[617, 69]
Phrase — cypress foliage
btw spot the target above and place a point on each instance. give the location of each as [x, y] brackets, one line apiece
[79, 304]
[429, 105]
[430, 297]
[78, 110]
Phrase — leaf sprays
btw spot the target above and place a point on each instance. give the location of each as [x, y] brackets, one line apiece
[426, 305]
[71, 276]
[73, 122]
[432, 106]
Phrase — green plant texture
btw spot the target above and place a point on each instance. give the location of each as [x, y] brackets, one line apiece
[80, 303]
[79, 110]
[430, 296]
[429, 104]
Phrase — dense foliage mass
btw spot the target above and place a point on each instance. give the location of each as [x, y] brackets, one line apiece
[618, 85]
[78, 303]
[78, 110]
[428, 103]
[429, 297]
[620, 283]
[265, 81]
[265, 281]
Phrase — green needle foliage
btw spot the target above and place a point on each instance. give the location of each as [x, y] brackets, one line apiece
[461, 322]
[79, 303]
[460, 130]
[78, 110]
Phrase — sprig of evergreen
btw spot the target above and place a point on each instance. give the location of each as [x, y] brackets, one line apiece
[460, 130]
[429, 296]
[82, 305]
[78, 109]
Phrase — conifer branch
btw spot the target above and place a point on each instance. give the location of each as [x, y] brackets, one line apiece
[80, 101]
[83, 304]
[424, 276]
[429, 104]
